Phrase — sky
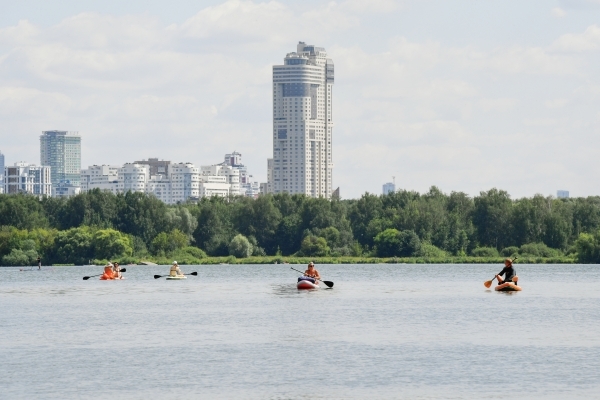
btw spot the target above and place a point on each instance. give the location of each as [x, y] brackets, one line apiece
[466, 95]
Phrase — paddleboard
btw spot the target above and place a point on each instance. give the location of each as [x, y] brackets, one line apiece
[175, 278]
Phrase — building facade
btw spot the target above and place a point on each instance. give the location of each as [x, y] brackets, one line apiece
[303, 123]
[562, 194]
[1, 173]
[389, 188]
[103, 177]
[61, 150]
[28, 178]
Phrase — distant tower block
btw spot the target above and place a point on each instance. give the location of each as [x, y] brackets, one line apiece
[303, 123]
[389, 188]
[562, 194]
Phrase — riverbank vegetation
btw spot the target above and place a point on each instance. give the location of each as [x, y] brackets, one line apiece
[399, 227]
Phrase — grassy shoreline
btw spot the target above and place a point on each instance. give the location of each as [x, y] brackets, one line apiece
[344, 260]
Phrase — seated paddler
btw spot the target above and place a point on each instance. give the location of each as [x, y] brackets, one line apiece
[108, 273]
[175, 271]
[312, 272]
[509, 273]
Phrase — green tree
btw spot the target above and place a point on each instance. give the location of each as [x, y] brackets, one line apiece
[166, 243]
[492, 218]
[314, 246]
[110, 244]
[392, 242]
[240, 247]
[588, 248]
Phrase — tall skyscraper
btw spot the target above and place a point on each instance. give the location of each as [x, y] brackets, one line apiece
[61, 150]
[1, 172]
[303, 123]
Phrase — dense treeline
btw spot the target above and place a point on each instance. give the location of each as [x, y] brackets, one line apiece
[99, 225]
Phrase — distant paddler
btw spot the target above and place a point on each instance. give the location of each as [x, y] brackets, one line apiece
[175, 271]
[507, 278]
[312, 272]
[117, 271]
[39, 261]
[109, 273]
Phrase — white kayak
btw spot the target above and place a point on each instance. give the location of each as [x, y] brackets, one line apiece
[304, 284]
[176, 278]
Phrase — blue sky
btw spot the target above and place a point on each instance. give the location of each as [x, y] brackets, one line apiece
[465, 95]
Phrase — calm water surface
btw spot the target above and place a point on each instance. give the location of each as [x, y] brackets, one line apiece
[383, 331]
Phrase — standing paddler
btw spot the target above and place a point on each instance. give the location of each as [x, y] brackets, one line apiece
[39, 261]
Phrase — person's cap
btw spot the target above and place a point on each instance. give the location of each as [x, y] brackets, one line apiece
[110, 265]
[174, 262]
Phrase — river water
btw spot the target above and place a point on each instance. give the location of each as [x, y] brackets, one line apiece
[383, 331]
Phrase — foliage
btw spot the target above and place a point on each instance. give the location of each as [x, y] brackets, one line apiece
[240, 247]
[510, 251]
[165, 243]
[538, 250]
[588, 248]
[393, 242]
[485, 252]
[134, 225]
[430, 251]
[314, 246]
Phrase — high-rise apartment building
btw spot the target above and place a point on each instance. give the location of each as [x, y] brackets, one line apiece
[1, 173]
[303, 123]
[562, 194]
[389, 188]
[61, 151]
[27, 178]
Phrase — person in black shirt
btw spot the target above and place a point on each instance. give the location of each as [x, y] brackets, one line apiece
[510, 275]
[39, 261]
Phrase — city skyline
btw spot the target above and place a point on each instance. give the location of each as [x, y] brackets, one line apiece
[465, 96]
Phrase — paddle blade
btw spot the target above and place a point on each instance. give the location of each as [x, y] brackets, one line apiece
[123, 269]
[487, 284]
[157, 276]
[85, 278]
[328, 283]
[194, 273]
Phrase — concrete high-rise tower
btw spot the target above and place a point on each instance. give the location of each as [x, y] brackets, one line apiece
[302, 123]
[61, 151]
[1, 173]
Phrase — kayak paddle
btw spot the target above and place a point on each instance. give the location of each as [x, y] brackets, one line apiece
[85, 278]
[162, 276]
[327, 283]
[487, 284]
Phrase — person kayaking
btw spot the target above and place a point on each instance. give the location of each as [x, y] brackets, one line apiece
[510, 275]
[117, 271]
[175, 271]
[39, 261]
[108, 274]
[312, 272]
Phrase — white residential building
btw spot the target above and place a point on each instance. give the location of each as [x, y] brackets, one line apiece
[103, 177]
[185, 182]
[209, 173]
[160, 187]
[133, 178]
[303, 123]
[247, 186]
[28, 178]
[562, 194]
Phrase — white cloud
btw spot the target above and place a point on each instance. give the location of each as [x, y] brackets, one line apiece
[558, 12]
[579, 42]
